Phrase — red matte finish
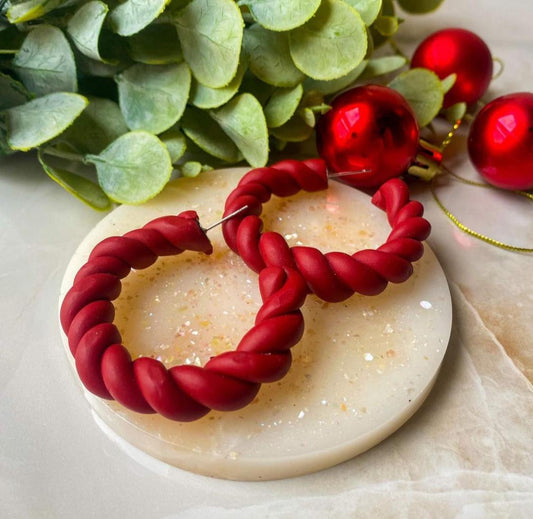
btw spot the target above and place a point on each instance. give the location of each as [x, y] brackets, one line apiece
[334, 276]
[370, 130]
[231, 380]
[184, 393]
[460, 52]
[500, 143]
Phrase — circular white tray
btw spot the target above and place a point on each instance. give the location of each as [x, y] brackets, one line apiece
[362, 369]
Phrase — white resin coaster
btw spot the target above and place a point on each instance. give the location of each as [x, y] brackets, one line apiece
[363, 367]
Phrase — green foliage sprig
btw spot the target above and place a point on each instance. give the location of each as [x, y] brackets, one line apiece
[135, 90]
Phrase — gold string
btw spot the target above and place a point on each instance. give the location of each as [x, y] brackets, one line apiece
[450, 135]
[468, 230]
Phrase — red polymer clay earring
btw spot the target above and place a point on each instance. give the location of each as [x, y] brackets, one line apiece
[231, 380]
[334, 276]
[184, 393]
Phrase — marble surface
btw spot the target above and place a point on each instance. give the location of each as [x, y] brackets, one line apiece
[466, 453]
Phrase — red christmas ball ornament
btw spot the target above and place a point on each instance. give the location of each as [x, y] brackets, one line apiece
[500, 142]
[370, 130]
[461, 52]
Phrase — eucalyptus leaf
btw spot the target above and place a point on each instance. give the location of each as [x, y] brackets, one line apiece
[419, 6]
[386, 25]
[190, 169]
[37, 121]
[132, 16]
[282, 105]
[97, 126]
[45, 62]
[308, 116]
[175, 142]
[193, 168]
[385, 65]
[336, 85]
[133, 168]
[242, 119]
[368, 9]
[448, 82]
[206, 97]
[423, 90]
[157, 44]
[153, 97]
[210, 32]
[26, 11]
[13, 92]
[208, 136]
[455, 112]
[82, 188]
[85, 26]
[269, 57]
[281, 15]
[190, 72]
[331, 44]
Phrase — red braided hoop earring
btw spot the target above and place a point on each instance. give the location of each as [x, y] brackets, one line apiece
[227, 382]
[334, 276]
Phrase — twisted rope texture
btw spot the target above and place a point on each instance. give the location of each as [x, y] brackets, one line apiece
[227, 382]
[334, 276]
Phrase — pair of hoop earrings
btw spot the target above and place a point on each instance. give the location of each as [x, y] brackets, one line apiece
[231, 380]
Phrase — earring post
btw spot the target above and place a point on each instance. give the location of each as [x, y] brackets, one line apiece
[227, 217]
[349, 173]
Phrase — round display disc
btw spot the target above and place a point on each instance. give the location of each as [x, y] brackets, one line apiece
[363, 367]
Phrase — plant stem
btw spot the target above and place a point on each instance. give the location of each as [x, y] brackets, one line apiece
[62, 154]
[398, 50]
